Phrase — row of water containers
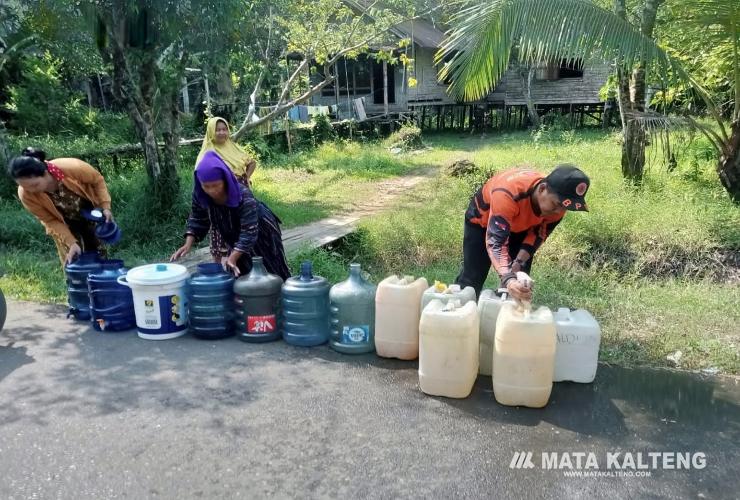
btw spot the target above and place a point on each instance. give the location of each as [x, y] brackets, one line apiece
[524, 351]
[454, 337]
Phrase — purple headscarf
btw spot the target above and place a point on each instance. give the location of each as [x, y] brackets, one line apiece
[212, 168]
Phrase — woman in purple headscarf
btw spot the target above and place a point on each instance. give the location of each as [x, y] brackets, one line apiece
[248, 227]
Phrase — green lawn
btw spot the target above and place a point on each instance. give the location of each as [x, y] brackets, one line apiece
[310, 186]
[651, 264]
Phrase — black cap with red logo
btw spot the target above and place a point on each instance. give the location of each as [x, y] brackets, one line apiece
[570, 184]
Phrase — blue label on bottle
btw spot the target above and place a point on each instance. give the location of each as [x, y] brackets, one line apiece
[355, 334]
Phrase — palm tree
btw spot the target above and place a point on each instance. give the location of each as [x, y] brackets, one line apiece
[479, 49]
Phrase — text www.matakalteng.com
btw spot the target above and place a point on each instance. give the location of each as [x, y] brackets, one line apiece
[606, 473]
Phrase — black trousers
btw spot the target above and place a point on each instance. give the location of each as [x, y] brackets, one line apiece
[84, 231]
[476, 262]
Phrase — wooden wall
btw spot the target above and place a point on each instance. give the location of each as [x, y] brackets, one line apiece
[428, 89]
[584, 90]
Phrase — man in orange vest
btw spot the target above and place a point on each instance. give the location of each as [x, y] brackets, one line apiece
[510, 217]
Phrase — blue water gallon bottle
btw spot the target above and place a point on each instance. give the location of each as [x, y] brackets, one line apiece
[111, 304]
[211, 302]
[305, 310]
[77, 273]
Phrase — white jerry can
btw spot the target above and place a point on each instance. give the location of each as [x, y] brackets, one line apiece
[489, 306]
[577, 352]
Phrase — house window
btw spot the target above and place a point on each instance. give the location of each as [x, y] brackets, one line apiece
[566, 68]
[379, 83]
[571, 68]
[362, 76]
[355, 77]
[444, 62]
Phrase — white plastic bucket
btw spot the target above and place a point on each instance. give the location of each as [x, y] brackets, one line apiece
[160, 299]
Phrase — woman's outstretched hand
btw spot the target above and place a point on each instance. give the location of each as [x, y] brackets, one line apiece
[73, 253]
[231, 263]
[183, 250]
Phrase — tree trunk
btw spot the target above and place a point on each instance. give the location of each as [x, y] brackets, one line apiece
[633, 147]
[137, 100]
[525, 76]
[4, 152]
[632, 98]
[167, 184]
[103, 100]
[729, 164]
[633, 152]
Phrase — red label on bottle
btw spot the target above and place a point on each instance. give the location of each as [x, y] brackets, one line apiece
[261, 324]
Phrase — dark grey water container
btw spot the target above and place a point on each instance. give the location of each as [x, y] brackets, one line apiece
[257, 297]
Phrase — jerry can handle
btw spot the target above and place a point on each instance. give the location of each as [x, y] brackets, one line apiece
[563, 314]
[123, 281]
[503, 293]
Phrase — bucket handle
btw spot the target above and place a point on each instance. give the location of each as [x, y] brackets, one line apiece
[123, 281]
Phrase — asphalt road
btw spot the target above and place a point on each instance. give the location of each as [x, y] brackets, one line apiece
[92, 415]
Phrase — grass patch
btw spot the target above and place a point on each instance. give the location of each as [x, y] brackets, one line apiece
[655, 265]
[407, 138]
[312, 185]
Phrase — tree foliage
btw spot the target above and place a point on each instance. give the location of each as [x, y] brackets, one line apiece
[43, 104]
[484, 34]
[147, 46]
[480, 46]
[319, 32]
[705, 48]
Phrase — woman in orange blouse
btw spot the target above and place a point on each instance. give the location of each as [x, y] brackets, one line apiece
[56, 192]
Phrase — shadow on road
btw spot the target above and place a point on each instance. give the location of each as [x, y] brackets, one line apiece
[13, 358]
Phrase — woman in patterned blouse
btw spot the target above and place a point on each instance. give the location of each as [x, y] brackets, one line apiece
[218, 139]
[55, 192]
[247, 226]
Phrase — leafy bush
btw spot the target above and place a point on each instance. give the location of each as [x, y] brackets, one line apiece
[42, 103]
[259, 146]
[117, 128]
[408, 137]
[249, 149]
[322, 129]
